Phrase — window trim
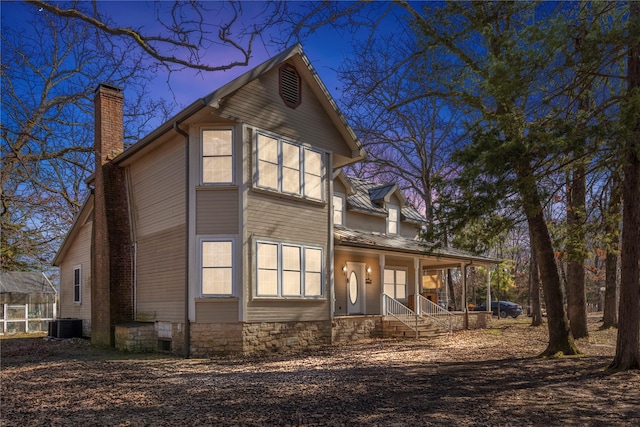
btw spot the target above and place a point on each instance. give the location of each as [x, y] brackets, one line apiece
[302, 172]
[397, 221]
[204, 239]
[77, 268]
[395, 282]
[202, 156]
[280, 270]
[342, 211]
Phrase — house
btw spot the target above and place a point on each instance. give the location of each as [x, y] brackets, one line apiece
[27, 302]
[231, 227]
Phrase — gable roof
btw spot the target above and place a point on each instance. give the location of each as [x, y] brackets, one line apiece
[214, 98]
[19, 282]
[370, 197]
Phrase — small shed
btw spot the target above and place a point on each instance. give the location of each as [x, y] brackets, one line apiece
[27, 302]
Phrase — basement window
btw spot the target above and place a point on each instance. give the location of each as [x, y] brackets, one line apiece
[290, 86]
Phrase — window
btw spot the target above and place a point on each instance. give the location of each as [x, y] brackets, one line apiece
[338, 209]
[395, 283]
[217, 267]
[217, 156]
[290, 86]
[77, 284]
[392, 220]
[285, 270]
[289, 168]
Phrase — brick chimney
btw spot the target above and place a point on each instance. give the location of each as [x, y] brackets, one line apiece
[112, 256]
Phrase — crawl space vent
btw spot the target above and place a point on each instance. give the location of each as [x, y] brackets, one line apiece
[290, 86]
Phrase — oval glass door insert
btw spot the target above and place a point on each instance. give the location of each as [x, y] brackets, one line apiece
[353, 287]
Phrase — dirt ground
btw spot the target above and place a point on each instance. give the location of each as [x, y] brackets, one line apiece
[471, 378]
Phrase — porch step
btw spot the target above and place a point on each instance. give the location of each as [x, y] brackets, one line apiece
[392, 328]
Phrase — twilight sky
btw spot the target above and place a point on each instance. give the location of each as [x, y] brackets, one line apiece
[326, 50]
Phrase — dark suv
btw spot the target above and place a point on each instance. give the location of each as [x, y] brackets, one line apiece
[507, 308]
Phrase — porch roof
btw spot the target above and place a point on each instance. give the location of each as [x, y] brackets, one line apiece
[346, 237]
[20, 282]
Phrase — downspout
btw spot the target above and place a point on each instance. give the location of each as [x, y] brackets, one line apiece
[187, 325]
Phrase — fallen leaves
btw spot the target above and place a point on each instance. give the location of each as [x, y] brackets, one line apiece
[479, 377]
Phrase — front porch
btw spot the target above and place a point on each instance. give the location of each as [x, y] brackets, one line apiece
[404, 323]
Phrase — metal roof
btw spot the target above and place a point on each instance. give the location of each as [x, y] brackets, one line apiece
[19, 282]
[368, 194]
[372, 240]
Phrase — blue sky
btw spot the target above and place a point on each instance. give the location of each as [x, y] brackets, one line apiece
[326, 50]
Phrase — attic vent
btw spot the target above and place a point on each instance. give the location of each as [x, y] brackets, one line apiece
[290, 86]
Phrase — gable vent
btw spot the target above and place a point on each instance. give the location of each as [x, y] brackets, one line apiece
[290, 86]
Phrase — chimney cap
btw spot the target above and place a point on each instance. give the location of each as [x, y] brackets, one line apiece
[108, 87]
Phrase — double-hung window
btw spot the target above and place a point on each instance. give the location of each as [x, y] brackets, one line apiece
[288, 271]
[338, 209]
[77, 284]
[289, 168]
[217, 156]
[392, 220]
[395, 283]
[216, 267]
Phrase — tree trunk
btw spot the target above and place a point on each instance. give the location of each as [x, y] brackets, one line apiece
[628, 344]
[536, 310]
[610, 315]
[576, 292]
[560, 338]
[612, 234]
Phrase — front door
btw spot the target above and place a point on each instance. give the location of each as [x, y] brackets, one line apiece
[355, 288]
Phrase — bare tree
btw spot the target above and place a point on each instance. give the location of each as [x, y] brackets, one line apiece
[189, 30]
[48, 77]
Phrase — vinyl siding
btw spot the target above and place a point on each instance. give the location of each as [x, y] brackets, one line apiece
[365, 222]
[160, 289]
[223, 310]
[217, 211]
[283, 219]
[158, 183]
[259, 104]
[287, 311]
[79, 253]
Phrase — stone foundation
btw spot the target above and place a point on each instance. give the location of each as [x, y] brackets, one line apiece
[348, 329]
[209, 339]
[136, 337]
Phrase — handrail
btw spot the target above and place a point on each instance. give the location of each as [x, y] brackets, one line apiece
[435, 312]
[399, 311]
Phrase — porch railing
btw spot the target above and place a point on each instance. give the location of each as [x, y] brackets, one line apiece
[435, 312]
[397, 310]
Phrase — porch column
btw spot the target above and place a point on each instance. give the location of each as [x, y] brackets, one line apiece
[465, 308]
[488, 303]
[383, 308]
[416, 269]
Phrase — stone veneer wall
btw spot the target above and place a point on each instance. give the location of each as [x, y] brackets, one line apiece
[136, 337]
[208, 339]
[248, 338]
[348, 329]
